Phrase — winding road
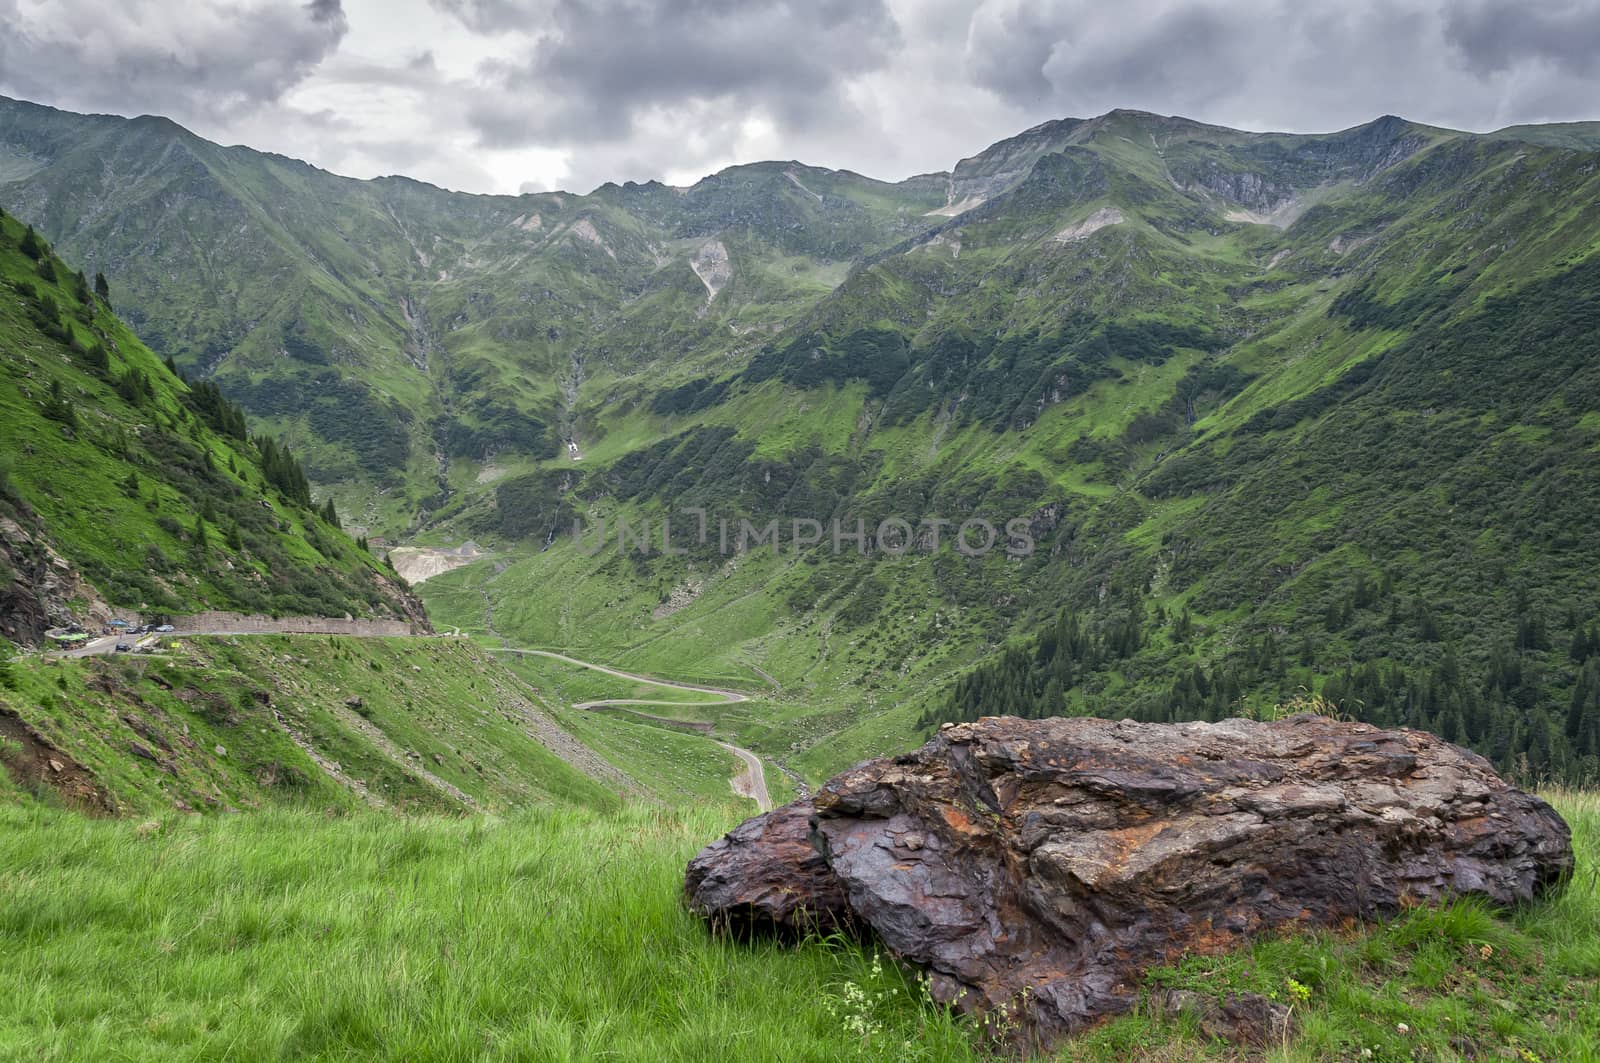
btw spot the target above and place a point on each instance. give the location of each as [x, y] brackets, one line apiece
[751, 783]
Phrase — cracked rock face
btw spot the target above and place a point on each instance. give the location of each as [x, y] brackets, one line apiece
[766, 876]
[1044, 864]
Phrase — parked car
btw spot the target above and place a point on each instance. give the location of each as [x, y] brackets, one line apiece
[124, 647]
[163, 629]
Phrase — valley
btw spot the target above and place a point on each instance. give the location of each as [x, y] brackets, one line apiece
[1245, 390]
[514, 547]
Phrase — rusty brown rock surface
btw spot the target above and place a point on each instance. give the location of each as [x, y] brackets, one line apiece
[1044, 864]
[766, 876]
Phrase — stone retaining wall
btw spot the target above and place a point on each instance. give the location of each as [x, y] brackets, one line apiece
[222, 623]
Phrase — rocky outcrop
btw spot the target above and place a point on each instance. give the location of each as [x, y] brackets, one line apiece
[39, 587]
[712, 265]
[416, 564]
[1043, 865]
[766, 876]
[38, 765]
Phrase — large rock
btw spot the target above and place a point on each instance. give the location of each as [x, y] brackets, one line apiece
[766, 876]
[1044, 864]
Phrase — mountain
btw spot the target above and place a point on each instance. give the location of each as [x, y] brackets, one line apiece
[1277, 414]
[124, 488]
[394, 330]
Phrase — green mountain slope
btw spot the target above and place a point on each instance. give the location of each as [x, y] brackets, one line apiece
[333, 724]
[1276, 412]
[392, 330]
[1293, 413]
[125, 489]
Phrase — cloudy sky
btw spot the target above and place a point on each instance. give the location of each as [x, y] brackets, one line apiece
[509, 95]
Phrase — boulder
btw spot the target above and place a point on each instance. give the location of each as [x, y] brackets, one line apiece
[766, 877]
[1040, 866]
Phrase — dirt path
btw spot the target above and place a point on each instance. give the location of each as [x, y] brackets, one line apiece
[727, 697]
[750, 783]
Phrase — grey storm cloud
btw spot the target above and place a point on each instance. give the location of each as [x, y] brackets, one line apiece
[183, 60]
[501, 94]
[596, 65]
[1494, 37]
[1290, 65]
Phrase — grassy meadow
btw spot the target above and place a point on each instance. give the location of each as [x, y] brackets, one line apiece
[558, 934]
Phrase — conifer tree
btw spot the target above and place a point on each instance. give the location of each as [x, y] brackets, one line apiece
[98, 359]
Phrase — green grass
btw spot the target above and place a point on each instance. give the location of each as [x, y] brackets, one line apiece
[560, 934]
[672, 764]
[573, 683]
[401, 716]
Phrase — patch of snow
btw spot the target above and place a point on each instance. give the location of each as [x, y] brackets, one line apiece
[950, 210]
[1343, 244]
[1281, 216]
[710, 263]
[585, 230]
[792, 176]
[1086, 228]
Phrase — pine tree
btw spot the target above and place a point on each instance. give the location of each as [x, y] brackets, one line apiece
[59, 407]
[329, 514]
[98, 359]
[31, 245]
[102, 288]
